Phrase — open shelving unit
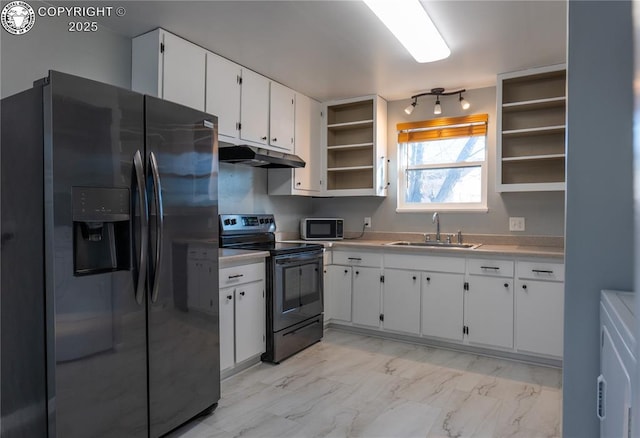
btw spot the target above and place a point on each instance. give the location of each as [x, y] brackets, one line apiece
[355, 149]
[531, 130]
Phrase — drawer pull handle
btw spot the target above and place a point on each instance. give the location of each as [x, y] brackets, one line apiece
[354, 258]
[229, 297]
[490, 267]
[428, 278]
[231, 277]
[506, 285]
[346, 271]
[524, 286]
[242, 294]
[414, 278]
[541, 271]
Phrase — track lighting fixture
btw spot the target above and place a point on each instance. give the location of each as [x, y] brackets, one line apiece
[437, 109]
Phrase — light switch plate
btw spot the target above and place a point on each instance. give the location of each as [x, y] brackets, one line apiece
[516, 224]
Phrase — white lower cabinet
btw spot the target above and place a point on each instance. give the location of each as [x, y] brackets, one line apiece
[401, 301]
[227, 327]
[366, 296]
[242, 313]
[338, 293]
[539, 317]
[442, 305]
[250, 321]
[488, 309]
[496, 304]
[539, 313]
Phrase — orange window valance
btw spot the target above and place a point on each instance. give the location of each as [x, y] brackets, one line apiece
[441, 128]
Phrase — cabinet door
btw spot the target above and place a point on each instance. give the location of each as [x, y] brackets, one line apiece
[227, 329]
[442, 305]
[223, 93]
[489, 311]
[307, 143]
[401, 300]
[254, 107]
[366, 296]
[281, 117]
[338, 293]
[539, 317]
[250, 320]
[184, 72]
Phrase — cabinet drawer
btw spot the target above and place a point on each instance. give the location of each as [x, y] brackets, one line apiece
[241, 274]
[494, 268]
[357, 258]
[425, 263]
[540, 271]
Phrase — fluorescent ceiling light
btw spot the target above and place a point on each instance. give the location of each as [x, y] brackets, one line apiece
[411, 25]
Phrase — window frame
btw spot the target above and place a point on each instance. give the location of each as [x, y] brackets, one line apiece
[402, 150]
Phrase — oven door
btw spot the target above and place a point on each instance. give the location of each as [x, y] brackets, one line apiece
[297, 288]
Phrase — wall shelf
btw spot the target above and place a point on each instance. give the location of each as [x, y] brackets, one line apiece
[531, 130]
[355, 147]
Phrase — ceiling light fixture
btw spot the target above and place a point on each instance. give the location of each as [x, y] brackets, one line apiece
[437, 109]
[409, 109]
[411, 25]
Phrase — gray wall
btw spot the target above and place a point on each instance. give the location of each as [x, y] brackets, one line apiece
[543, 211]
[599, 197]
[243, 189]
[103, 55]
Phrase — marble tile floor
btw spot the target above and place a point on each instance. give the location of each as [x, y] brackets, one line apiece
[351, 385]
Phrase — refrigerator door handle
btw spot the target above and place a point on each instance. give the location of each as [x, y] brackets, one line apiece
[144, 225]
[157, 192]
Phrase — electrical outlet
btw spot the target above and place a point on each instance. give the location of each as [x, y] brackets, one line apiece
[367, 222]
[516, 224]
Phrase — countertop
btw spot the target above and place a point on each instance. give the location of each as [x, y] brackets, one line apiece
[552, 252]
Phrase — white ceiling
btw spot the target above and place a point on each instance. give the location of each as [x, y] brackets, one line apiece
[338, 48]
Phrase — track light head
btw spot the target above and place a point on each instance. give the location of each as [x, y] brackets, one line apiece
[437, 109]
[409, 109]
[463, 103]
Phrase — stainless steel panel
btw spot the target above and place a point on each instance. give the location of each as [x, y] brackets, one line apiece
[98, 385]
[184, 375]
[296, 338]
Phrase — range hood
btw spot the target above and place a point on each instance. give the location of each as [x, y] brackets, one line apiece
[258, 157]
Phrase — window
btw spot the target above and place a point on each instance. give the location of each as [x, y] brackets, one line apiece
[442, 164]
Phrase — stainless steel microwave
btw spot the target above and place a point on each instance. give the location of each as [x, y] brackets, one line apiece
[322, 228]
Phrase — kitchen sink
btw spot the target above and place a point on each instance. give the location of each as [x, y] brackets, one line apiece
[436, 244]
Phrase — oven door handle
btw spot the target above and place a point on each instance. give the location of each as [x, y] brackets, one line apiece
[297, 259]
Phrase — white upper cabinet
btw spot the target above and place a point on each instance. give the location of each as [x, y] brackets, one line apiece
[169, 67]
[304, 181]
[223, 93]
[254, 107]
[281, 117]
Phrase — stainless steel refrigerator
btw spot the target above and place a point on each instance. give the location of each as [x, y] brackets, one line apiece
[103, 191]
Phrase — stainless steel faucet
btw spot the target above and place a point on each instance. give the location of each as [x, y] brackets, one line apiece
[436, 220]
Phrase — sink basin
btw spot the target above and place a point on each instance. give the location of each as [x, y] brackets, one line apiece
[435, 244]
